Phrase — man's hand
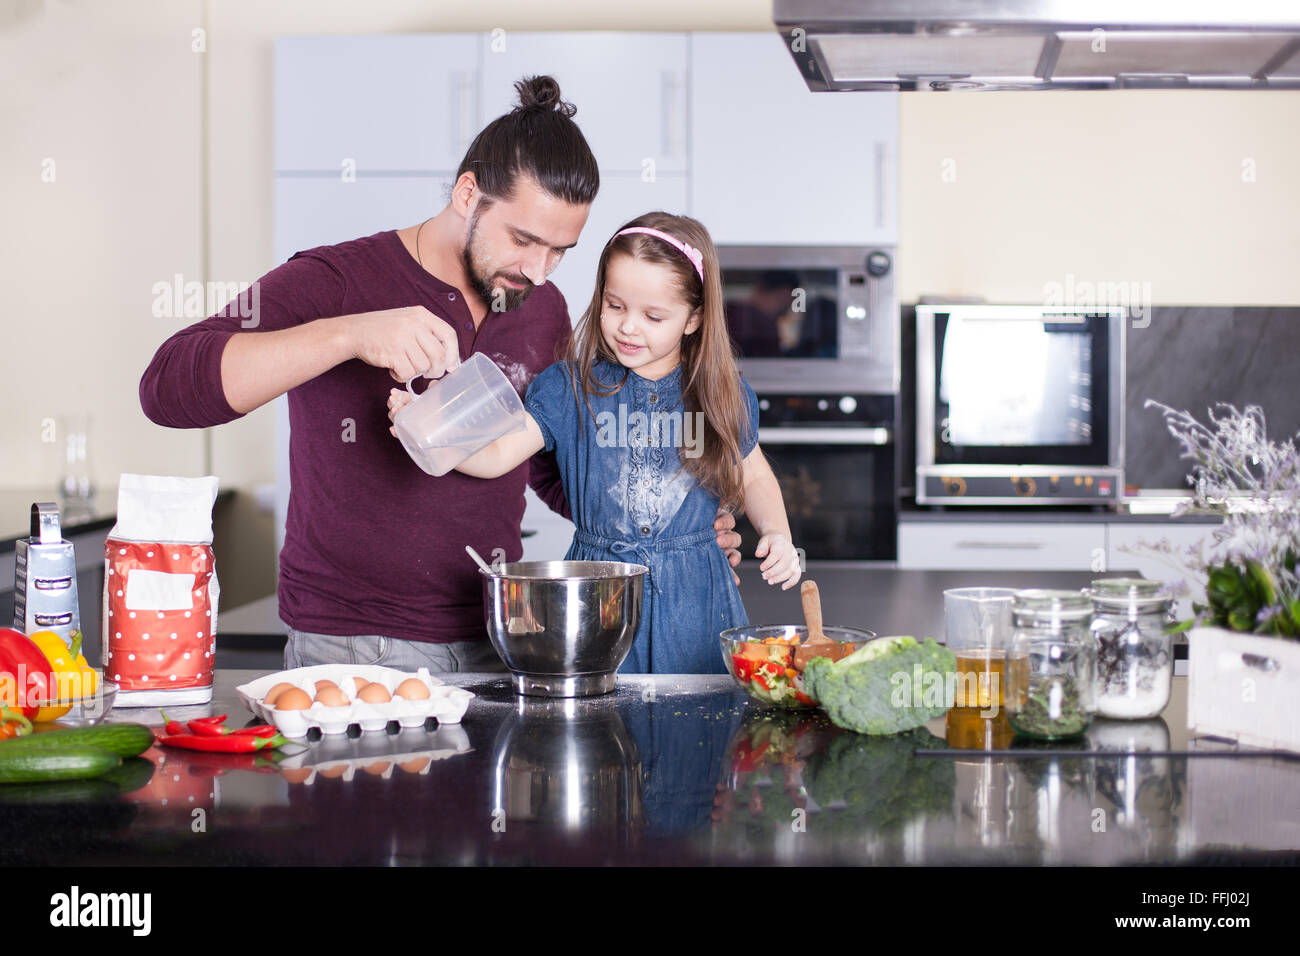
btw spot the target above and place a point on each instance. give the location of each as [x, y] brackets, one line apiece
[408, 342]
[728, 540]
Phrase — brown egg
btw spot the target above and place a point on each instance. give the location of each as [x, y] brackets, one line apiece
[359, 683]
[376, 769]
[293, 699]
[275, 692]
[322, 684]
[296, 775]
[412, 689]
[336, 771]
[415, 764]
[374, 694]
[330, 696]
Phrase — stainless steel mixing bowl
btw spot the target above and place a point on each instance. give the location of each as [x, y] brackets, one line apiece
[563, 627]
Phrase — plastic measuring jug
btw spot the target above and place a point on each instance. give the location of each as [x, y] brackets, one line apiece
[459, 414]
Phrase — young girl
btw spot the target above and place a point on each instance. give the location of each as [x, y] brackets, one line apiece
[646, 487]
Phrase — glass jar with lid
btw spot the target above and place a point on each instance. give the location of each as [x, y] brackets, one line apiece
[1135, 659]
[1051, 665]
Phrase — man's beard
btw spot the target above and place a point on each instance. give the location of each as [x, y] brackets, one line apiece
[500, 298]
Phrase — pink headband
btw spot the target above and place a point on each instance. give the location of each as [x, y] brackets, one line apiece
[689, 251]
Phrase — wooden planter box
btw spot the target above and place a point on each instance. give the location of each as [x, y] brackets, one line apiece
[1244, 687]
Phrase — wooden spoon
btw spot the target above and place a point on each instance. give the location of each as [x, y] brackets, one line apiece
[812, 613]
[817, 644]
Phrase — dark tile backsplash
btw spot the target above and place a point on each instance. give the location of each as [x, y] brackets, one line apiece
[1193, 357]
[1188, 357]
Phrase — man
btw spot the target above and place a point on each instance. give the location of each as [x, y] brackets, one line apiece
[373, 568]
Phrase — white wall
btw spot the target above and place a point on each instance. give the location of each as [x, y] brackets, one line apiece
[1002, 193]
[1131, 186]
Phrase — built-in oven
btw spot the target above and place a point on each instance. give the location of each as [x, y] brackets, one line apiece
[816, 329]
[835, 459]
[1019, 404]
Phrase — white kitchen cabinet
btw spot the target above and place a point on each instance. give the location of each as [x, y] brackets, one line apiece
[772, 163]
[393, 103]
[1002, 546]
[622, 197]
[630, 90]
[321, 210]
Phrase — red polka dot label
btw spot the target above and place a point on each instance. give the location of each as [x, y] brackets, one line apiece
[187, 652]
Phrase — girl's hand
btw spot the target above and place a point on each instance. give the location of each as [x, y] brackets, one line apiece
[782, 560]
[398, 398]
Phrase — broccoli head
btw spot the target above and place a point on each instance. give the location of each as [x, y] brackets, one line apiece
[889, 685]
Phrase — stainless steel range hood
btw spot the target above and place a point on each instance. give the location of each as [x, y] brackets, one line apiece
[1042, 44]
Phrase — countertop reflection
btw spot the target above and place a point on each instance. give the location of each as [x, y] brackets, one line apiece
[673, 770]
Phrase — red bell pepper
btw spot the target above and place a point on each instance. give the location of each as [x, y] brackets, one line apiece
[13, 724]
[26, 679]
[744, 666]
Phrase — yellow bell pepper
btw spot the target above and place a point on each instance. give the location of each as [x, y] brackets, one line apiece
[73, 676]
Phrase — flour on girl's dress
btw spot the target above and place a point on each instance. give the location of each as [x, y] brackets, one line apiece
[644, 494]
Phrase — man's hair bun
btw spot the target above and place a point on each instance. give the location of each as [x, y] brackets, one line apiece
[542, 93]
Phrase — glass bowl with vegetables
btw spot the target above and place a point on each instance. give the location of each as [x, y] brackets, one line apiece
[768, 660]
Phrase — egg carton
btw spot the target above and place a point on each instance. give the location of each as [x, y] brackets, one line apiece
[446, 703]
[344, 757]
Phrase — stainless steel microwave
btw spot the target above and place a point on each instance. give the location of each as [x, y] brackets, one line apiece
[813, 319]
[1019, 405]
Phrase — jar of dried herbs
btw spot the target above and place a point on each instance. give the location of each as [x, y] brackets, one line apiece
[1051, 665]
[1135, 658]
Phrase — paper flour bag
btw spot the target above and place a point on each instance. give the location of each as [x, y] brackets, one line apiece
[160, 592]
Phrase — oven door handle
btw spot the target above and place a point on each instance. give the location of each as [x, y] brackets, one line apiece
[877, 437]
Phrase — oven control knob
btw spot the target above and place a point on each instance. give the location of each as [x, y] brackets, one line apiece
[955, 486]
[764, 404]
[1025, 487]
[848, 404]
[822, 405]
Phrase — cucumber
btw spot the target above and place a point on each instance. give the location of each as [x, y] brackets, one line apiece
[124, 740]
[95, 790]
[35, 765]
[134, 773]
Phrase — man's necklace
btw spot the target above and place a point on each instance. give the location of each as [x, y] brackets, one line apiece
[417, 243]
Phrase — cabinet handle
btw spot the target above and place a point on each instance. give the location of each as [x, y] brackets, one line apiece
[669, 114]
[1004, 545]
[875, 437]
[880, 184]
[461, 88]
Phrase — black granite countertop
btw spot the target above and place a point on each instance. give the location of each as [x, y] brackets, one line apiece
[671, 770]
[16, 510]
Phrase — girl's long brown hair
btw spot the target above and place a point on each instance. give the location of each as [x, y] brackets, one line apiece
[710, 375]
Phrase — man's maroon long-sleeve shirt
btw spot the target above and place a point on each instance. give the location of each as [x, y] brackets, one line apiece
[372, 544]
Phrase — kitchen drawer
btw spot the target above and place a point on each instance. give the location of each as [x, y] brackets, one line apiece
[1001, 546]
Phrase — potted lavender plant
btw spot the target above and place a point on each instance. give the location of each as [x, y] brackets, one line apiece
[1244, 641]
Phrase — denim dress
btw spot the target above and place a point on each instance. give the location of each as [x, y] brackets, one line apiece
[632, 501]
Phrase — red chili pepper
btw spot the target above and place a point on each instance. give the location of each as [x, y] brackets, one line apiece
[206, 728]
[211, 728]
[261, 730]
[215, 720]
[172, 726]
[228, 743]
